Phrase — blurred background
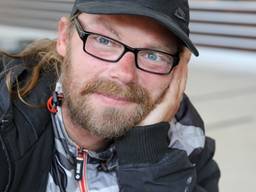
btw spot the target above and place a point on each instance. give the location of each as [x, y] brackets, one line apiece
[222, 80]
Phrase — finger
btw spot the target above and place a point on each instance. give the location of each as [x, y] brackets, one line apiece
[185, 58]
[179, 77]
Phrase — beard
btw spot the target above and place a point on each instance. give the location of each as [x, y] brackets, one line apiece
[104, 121]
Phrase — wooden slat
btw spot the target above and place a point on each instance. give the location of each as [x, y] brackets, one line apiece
[224, 6]
[32, 14]
[37, 5]
[223, 30]
[223, 17]
[30, 23]
[225, 42]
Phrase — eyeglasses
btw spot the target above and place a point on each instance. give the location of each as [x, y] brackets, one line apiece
[111, 50]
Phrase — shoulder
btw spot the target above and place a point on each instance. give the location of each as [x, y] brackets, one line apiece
[24, 131]
[28, 108]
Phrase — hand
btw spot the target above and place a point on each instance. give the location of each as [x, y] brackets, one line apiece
[167, 108]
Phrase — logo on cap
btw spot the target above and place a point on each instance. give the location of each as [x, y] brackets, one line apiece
[179, 13]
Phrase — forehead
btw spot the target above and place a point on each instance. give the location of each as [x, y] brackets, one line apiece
[133, 24]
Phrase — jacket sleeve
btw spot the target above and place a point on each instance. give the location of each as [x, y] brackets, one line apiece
[208, 173]
[3, 153]
[147, 164]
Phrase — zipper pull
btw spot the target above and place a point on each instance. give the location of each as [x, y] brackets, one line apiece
[3, 122]
[79, 165]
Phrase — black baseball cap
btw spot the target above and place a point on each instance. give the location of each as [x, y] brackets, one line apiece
[173, 14]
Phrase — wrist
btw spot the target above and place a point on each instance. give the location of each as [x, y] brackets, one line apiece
[143, 144]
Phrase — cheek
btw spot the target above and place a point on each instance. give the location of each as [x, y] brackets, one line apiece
[84, 67]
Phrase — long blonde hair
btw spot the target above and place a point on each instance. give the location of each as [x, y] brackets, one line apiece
[43, 52]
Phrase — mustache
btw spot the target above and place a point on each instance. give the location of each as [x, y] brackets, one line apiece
[130, 92]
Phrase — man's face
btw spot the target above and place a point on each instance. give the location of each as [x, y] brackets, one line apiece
[109, 98]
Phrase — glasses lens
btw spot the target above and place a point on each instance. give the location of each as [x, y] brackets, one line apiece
[154, 61]
[103, 47]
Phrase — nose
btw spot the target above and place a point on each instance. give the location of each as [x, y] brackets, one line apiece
[125, 69]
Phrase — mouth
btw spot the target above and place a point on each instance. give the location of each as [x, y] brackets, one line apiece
[112, 99]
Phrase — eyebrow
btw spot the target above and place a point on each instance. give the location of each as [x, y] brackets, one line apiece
[162, 48]
[107, 26]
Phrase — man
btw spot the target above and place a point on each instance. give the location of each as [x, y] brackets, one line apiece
[117, 118]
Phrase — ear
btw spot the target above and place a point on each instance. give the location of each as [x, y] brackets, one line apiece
[63, 38]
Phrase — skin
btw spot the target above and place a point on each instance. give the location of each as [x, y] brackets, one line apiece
[165, 90]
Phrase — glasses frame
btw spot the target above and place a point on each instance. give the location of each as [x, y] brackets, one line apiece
[85, 34]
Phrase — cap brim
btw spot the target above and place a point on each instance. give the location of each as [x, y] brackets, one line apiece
[114, 7]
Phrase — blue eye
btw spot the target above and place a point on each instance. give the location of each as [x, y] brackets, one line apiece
[152, 56]
[103, 40]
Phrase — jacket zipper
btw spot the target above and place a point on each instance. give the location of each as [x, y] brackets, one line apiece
[2, 124]
[81, 169]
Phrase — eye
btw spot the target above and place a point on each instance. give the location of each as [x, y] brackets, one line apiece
[152, 56]
[103, 40]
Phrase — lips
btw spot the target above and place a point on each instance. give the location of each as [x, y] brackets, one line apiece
[115, 97]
